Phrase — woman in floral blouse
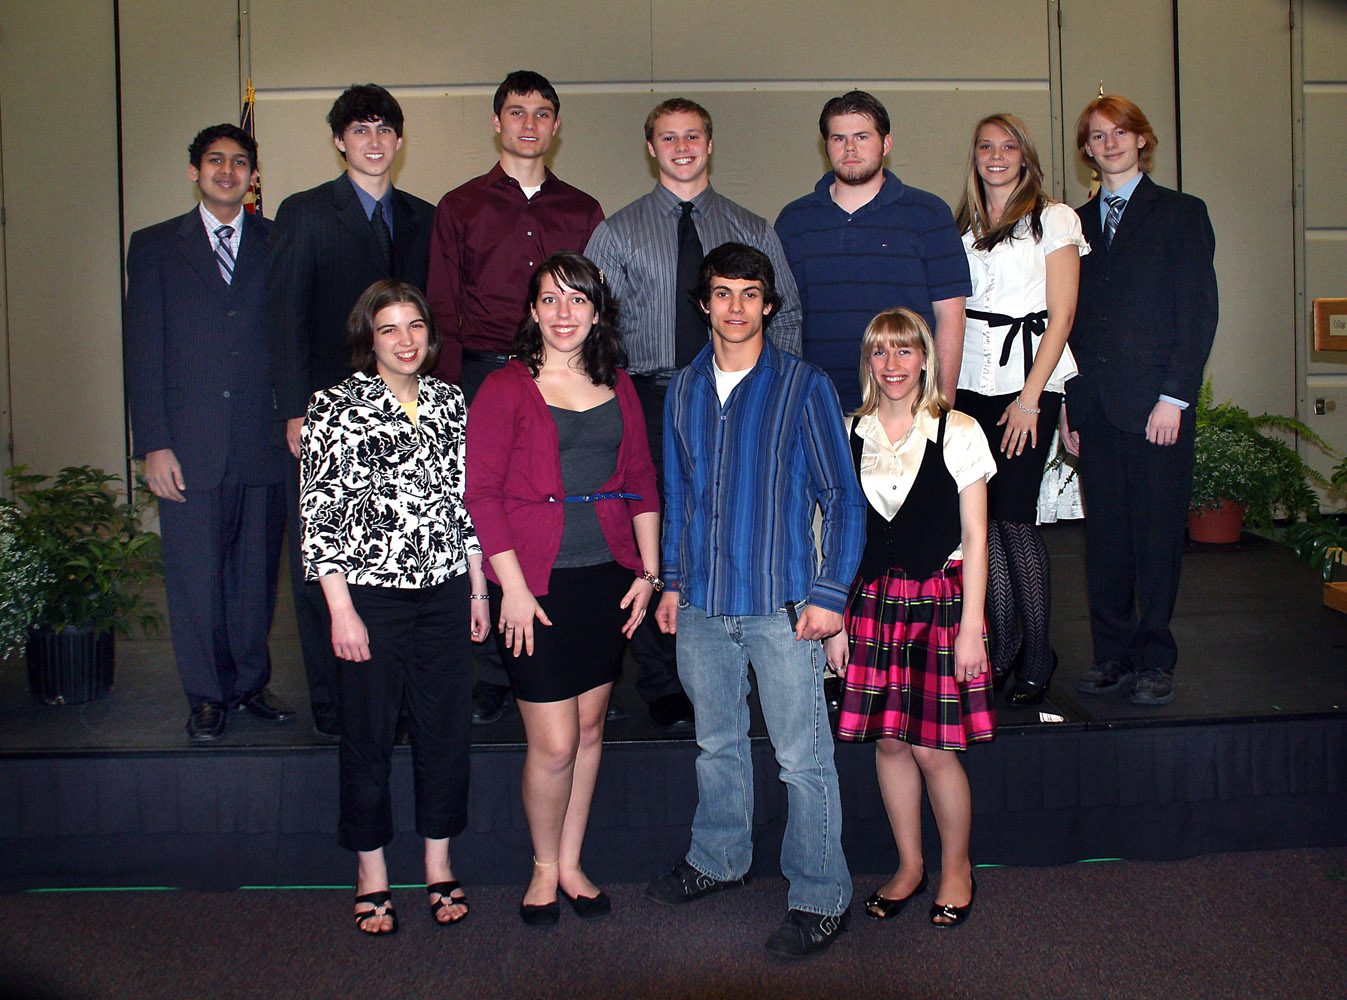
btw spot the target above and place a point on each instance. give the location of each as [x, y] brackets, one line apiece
[562, 490]
[387, 536]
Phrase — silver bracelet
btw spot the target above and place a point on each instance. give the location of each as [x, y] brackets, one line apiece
[479, 597]
[1025, 408]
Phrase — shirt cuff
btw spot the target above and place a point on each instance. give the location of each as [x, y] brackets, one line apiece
[1170, 399]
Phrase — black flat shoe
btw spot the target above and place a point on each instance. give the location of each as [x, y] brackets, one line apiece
[953, 915]
[590, 907]
[207, 722]
[1026, 694]
[267, 707]
[882, 908]
[545, 915]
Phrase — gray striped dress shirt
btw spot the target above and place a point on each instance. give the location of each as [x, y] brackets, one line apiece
[637, 249]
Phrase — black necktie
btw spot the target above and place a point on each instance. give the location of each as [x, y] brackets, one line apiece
[382, 237]
[689, 322]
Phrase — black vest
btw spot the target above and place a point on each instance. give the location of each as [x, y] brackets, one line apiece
[927, 527]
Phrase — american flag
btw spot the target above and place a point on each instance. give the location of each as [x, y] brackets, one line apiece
[253, 202]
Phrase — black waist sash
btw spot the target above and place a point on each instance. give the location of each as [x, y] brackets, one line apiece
[1028, 327]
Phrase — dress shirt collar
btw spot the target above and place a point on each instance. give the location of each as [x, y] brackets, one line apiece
[497, 175]
[870, 429]
[367, 202]
[770, 357]
[1125, 192]
[671, 204]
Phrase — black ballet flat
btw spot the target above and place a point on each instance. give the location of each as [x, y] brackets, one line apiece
[544, 915]
[882, 908]
[953, 916]
[590, 907]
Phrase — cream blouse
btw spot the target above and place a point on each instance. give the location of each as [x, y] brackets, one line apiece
[1012, 279]
[888, 469]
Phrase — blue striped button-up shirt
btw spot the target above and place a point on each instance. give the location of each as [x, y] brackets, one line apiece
[741, 482]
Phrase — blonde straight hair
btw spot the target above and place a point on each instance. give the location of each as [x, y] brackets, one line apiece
[901, 328]
[1027, 200]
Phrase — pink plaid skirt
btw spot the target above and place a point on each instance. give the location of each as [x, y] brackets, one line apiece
[900, 679]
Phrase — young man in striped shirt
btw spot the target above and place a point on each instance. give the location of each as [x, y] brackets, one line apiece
[753, 440]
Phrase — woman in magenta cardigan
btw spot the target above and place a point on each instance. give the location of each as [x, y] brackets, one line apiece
[561, 490]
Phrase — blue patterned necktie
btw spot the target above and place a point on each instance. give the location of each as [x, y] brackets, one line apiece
[223, 255]
[1116, 205]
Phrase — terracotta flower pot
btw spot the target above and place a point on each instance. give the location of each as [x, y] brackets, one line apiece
[1220, 526]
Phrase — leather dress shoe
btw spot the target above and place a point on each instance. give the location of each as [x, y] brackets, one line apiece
[672, 711]
[207, 721]
[267, 707]
[326, 722]
[489, 702]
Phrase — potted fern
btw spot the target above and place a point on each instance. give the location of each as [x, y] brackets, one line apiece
[96, 554]
[1239, 464]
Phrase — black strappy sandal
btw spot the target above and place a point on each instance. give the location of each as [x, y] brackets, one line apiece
[445, 901]
[382, 902]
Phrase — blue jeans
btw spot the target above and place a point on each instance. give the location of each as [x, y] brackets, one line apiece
[713, 658]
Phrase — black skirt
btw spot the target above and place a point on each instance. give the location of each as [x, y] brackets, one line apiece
[1012, 494]
[582, 648]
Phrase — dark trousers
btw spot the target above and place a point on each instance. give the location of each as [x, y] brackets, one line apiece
[419, 653]
[311, 617]
[222, 549]
[1136, 505]
[656, 652]
[490, 669]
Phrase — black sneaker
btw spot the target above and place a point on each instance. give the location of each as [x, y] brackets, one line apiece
[1153, 688]
[685, 883]
[489, 702]
[803, 934]
[1102, 678]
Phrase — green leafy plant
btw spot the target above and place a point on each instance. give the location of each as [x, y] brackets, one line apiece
[1236, 460]
[23, 574]
[93, 545]
[1316, 538]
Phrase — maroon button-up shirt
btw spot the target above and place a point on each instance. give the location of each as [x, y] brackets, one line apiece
[487, 241]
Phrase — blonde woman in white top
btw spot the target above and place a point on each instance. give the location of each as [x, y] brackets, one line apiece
[1024, 255]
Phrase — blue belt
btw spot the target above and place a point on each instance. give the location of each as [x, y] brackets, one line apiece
[602, 496]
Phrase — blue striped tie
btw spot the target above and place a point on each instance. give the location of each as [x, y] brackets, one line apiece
[223, 255]
[1116, 205]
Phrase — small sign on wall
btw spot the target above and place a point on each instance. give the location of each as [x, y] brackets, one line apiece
[1330, 324]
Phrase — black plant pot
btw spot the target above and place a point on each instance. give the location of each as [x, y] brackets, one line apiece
[70, 666]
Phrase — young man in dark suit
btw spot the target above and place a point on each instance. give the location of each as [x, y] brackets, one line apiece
[202, 414]
[1143, 330]
[331, 243]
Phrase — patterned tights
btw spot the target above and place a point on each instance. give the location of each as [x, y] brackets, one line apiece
[1019, 598]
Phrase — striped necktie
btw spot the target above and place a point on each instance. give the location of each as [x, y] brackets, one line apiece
[1116, 205]
[223, 255]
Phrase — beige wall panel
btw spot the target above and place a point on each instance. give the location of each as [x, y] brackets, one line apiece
[333, 43]
[1325, 164]
[1325, 26]
[861, 40]
[767, 150]
[1137, 63]
[1253, 360]
[61, 237]
[156, 130]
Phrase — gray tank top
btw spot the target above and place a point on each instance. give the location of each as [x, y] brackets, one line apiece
[588, 441]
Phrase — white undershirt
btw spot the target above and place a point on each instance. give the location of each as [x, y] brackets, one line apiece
[726, 381]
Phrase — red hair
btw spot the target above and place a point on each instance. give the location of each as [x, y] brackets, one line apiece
[1124, 114]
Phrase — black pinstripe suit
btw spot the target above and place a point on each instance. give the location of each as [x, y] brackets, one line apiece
[323, 256]
[199, 382]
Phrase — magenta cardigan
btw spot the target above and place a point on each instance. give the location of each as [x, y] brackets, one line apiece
[514, 490]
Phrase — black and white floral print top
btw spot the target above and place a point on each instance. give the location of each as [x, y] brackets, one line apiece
[382, 499]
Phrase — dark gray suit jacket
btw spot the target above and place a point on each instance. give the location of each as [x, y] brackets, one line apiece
[323, 256]
[1147, 310]
[198, 375]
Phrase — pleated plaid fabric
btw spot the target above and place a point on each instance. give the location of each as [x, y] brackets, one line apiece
[900, 680]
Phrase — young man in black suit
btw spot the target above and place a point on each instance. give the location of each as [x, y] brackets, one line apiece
[331, 243]
[202, 415]
[1143, 330]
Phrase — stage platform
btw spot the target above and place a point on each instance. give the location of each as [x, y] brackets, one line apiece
[1252, 754]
